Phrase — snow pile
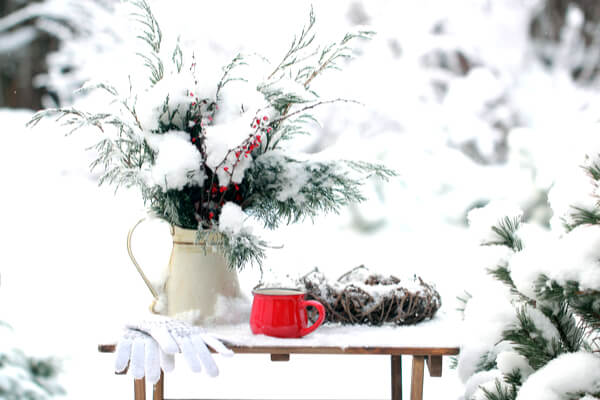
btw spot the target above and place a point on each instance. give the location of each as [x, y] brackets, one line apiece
[558, 380]
[481, 220]
[572, 257]
[233, 220]
[177, 162]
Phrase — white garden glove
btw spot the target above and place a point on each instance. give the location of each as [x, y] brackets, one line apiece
[140, 351]
[172, 336]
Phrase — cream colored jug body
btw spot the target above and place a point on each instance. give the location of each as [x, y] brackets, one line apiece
[198, 275]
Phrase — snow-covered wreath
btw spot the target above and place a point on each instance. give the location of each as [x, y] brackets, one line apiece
[361, 296]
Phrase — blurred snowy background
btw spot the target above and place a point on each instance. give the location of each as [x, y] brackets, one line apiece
[470, 101]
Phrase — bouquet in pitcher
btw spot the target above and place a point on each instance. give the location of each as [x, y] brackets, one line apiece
[209, 154]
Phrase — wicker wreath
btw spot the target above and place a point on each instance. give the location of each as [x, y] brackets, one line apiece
[362, 297]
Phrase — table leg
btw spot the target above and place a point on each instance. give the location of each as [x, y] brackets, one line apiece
[396, 377]
[416, 384]
[159, 388]
[139, 389]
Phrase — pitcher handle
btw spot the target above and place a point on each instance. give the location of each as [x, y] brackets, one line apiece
[137, 266]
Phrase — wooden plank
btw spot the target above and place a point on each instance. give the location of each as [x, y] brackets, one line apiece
[280, 357]
[159, 388]
[139, 389]
[416, 382]
[434, 365]
[388, 350]
[396, 377]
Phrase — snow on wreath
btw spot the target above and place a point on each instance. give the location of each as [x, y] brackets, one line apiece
[208, 156]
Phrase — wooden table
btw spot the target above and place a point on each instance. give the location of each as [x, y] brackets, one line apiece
[432, 356]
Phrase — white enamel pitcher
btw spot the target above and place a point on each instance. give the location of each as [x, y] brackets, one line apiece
[198, 275]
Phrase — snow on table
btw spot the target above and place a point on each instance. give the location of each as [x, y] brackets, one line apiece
[438, 332]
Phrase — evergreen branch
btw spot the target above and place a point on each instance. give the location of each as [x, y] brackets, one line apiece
[530, 343]
[594, 171]
[487, 362]
[583, 302]
[72, 117]
[331, 54]
[502, 273]
[101, 85]
[581, 216]
[463, 300]
[514, 378]
[237, 61]
[152, 36]
[570, 331]
[325, 190]
[298, 44]
[371, 169]
[506, 231]
[177, 56]
[311, 106]
[243, 249]
[502, 392]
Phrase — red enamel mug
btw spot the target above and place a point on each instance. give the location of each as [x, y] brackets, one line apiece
[282, 313]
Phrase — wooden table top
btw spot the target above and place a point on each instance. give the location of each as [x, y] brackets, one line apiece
[386, 350]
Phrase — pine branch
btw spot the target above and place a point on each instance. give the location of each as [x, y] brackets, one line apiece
[501, 392]
[530, 343]
[502, 273]
[582, 216]
[584, 303]
[462, 301]
[506, 231]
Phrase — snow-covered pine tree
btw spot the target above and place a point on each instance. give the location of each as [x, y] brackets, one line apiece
[23, 377]
[550, 347]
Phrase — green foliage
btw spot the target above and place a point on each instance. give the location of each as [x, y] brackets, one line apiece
[584, 303]
[574, 312]
[125, 156]
[582, 216]
[327, 188]
[530, 342]
[501, 392]
[506, 231]
[152, 36]
[23, 377]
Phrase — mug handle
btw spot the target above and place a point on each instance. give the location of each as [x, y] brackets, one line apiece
[137, 266]
[319, 321]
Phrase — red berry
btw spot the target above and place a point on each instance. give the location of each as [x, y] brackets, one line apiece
[193, 140]
[211, 215]
[254, 126]
[191, 94]
[226, 169]
[265, 118]
[268, 130]
[237, 187]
